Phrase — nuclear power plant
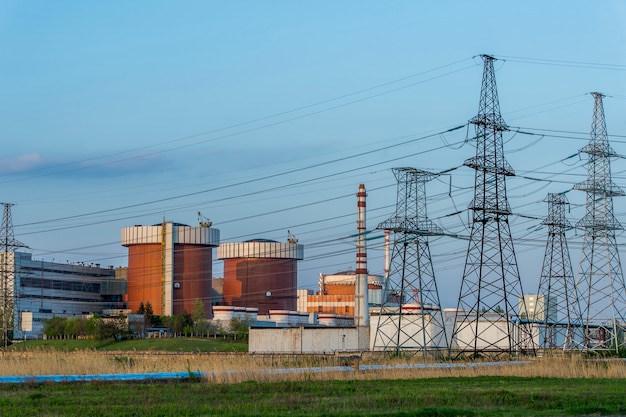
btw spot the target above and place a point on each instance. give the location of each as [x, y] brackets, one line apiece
[170, 267]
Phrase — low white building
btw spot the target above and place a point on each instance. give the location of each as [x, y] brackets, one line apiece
[414, 329]
[311, 340]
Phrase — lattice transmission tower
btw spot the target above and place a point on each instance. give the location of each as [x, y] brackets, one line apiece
[557, 309]
[487, 318]
[7, 275]
[410, 318]
[601, 282]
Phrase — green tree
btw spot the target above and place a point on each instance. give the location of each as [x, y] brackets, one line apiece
[141, 309]
[178, 322]
[112, 328]
[92, 324]
[6, 321]
[54, 327]
[239, 328]
[74, 327]
[149, 313]
[200, 324]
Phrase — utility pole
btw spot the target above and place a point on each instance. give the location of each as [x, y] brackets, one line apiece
[558, 311]
[410, 317]
[601, 282]
[487, 320]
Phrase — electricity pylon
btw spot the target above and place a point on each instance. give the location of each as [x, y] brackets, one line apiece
[601, 282]
[410, 318]
[487, 318]
[7, 275]
[557, 309]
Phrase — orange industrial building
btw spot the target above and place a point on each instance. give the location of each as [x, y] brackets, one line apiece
[170, 265]
[336, 294]
[261, 273]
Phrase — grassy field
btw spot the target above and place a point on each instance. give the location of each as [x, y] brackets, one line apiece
[238, 384]
[450, 396]
[179, 344]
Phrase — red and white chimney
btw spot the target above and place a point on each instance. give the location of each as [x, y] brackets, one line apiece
[361, 309]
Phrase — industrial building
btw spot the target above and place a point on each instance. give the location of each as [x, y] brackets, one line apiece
[338, 334]
[537, 307]
[261, 273]
[170, 265]
[422, 328]
[336, 293]
[43, 290]
[307, 340]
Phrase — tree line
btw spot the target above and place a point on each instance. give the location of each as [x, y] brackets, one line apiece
[184, 324]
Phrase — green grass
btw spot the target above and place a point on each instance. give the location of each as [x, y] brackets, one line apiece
[480, 396]
[179, 344]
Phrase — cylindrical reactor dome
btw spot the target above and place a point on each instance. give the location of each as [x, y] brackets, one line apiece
[170, 266]
[261, 274]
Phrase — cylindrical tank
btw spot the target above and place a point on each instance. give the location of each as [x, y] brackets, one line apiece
[170, 266]
[261, 273]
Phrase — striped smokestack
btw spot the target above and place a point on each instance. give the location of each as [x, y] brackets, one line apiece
[361, 311]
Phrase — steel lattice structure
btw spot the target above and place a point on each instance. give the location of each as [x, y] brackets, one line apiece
[7, 275]
[601, 282]
[557, 307]
[410, 318]
[487, 318]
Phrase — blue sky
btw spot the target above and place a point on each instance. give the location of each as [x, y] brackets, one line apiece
[266, 116]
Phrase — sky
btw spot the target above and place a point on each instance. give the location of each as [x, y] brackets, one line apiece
[266, 116]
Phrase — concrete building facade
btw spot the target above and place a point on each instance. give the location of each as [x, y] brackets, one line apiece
[43, 290]
[336, 294]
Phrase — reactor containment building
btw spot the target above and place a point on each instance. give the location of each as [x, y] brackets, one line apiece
[170, 265]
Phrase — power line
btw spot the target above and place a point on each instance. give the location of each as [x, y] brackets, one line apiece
[559, 63]
[267, 125]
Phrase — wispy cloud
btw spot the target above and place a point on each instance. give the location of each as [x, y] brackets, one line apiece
[25, 162]
[37, 165]
[115, 165]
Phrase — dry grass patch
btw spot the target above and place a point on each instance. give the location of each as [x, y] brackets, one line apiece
[237, 367]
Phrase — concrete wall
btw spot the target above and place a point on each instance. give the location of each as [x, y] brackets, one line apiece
[306, 339]
[416, 329]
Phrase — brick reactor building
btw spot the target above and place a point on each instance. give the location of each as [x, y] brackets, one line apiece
[261, 273]
[170, 265]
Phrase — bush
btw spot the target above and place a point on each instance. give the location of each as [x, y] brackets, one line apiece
[178, 323]
[113, 328]
[54, 327]
[239, 328]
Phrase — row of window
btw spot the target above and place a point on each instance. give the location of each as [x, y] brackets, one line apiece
[55, 284]
[97, 273]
